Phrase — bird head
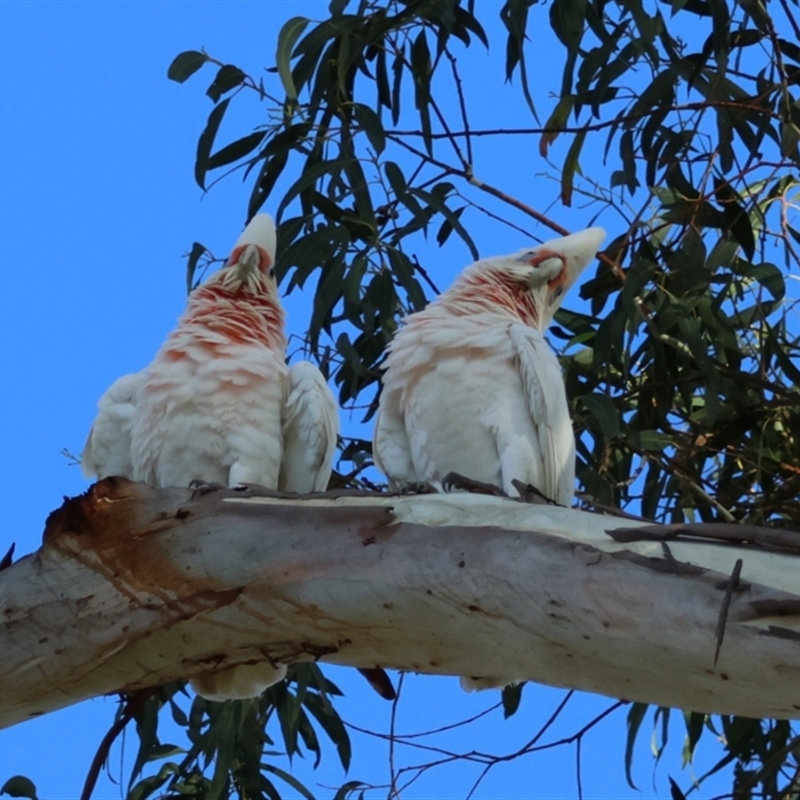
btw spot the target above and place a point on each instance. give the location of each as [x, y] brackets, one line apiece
[251, 264]
[534, 281]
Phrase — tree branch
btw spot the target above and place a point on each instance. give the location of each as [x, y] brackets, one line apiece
[136, 587]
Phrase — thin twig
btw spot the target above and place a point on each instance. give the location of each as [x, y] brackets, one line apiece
[541, 732]
[792, 20]
[402, 737]
[461, 104]
[392, 724]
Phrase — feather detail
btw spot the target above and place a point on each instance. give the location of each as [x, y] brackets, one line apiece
[310, 429]
[108, 446]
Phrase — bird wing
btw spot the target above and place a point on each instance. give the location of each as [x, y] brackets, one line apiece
[108, 446]
[391, 448]
[310, 428]
[543, 384]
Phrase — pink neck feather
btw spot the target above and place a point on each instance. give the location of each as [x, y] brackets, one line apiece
[489, 292]
[217, 316]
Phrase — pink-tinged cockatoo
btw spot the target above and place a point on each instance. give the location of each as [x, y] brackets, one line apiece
[472, 386]
[219, 405]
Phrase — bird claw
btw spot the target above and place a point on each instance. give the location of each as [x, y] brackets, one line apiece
[530, 494]
[417, 487]
[200, 487]
[455, 481]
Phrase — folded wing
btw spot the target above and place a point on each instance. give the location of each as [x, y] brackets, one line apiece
[310, 428]
[543, 384]
[108, 446]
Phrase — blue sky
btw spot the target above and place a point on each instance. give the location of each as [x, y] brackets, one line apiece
[100, 206]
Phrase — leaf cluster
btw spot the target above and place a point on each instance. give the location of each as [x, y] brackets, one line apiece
[230, 751]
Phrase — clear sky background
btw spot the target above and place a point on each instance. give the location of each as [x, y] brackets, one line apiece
[99, 206]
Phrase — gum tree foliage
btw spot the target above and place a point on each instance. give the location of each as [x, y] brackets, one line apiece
[681, 374]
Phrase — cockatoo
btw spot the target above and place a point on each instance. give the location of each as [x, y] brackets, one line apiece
[471, 385]
[219, 405]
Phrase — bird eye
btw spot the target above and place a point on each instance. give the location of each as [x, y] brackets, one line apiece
[558, 292]
[271, 272]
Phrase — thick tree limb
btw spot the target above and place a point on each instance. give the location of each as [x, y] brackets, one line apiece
[134, 587]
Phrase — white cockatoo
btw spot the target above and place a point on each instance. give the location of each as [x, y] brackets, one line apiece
[471, 385]
[219, 405]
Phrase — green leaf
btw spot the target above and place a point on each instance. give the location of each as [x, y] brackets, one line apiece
[191, 265]
[267, 178]
[398, 66]
[567, 21]
[635, 717]
[382, 81]
[511, 696]
[146, 728]
[446, 228]
[370, 122]
[185, 65]
[332, 725]
[421, 70]
[148, 785]
[396, 178]
[571, 166]
[19, 786]
[602, 408]
[228, 77]
[790, 136]
[226, 730]
[739, 224]
[663, 714]
[770, 277]
[790, 49]
[403, 270]
[236, 150]
[675, 792]
[514, 15]
[472, 24]
[694, 729]
[628, 156]
[436, 201]
[558, 119]
[349, 788]
[206, 142]
[290, 779]
[309, 177]
[287, 37]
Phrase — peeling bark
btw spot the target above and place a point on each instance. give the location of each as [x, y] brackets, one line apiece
[134, 587]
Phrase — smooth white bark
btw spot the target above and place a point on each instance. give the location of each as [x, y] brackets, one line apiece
[134, 587]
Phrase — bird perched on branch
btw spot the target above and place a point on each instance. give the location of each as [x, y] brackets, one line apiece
[471, 385]
[219, 405]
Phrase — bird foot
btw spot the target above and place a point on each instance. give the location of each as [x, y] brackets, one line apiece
[200, 487]
[417, 487]
[530, 494]
[453, 480]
